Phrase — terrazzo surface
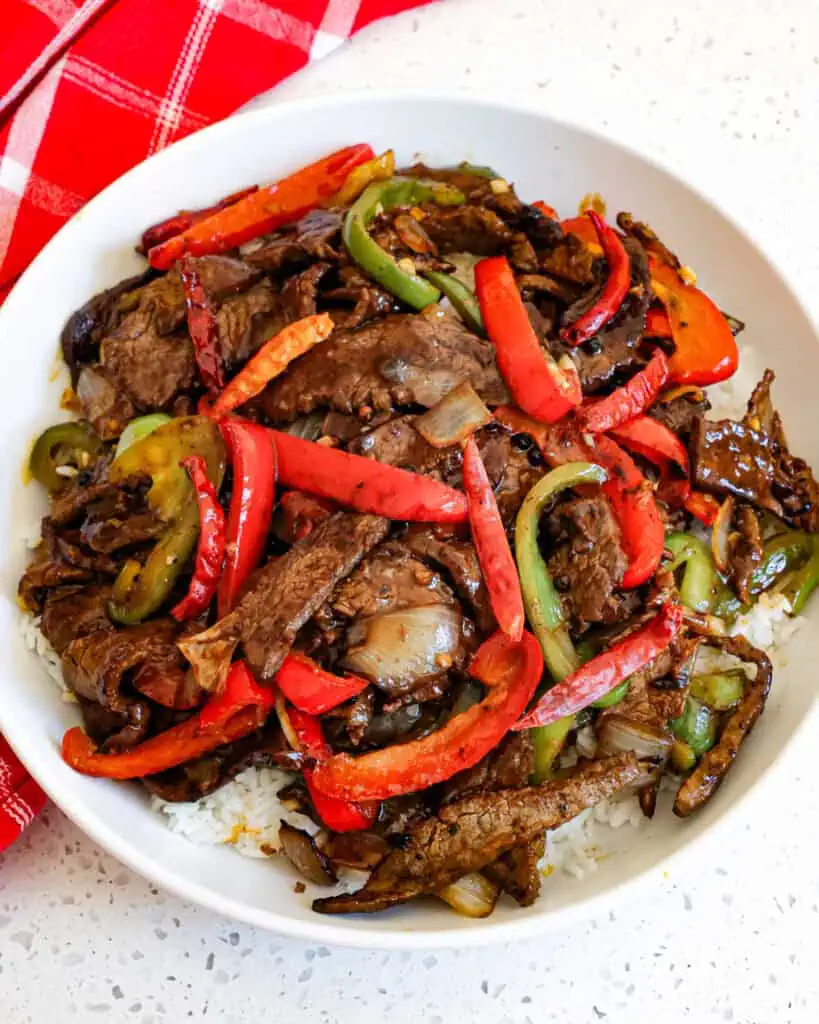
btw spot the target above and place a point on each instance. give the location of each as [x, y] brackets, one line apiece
[728, 96]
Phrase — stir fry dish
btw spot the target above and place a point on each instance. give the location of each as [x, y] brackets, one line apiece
[394, 481]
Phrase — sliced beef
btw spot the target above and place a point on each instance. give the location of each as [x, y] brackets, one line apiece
[517, 872]
[746, 552]
[468, 228]
[315, 237]
[87, 326]
[73, 612]
[283, 596]
[657, 693]
[367, 299]
[300, 293]
[66, 545]
[108, 535]
[246, 321]
[389, 579]
[400, 360]
[512, 470]
[508, 766]
[151, 368]
[458, 559]
[107, 408]
[97, 664]
[44, 575]
[616, 348]
[714, 765]
[572, 260]
[398, 443]
[681, 415]
[115, 731]
[755, 465]
[588, 563]
[197, 778]
[472, 832]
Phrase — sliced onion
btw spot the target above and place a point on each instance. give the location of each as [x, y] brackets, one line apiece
[402, 649]
[619, 734]
[454, 418]
[721, 535]
[285, 723]
[473, 895]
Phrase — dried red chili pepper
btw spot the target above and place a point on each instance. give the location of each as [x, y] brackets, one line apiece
[210, 549]
[203, 328]
[614, 291]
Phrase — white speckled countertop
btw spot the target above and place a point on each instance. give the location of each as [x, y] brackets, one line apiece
[727, 94]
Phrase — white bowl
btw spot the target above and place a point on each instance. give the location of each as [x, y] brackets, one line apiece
[546, 159]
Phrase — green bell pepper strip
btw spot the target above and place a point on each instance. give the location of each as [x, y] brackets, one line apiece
[696, 726]
[479, 170]
[464, 301]
[727, 605]
[613, 696]
[368, 254]
[71, 444]
[139, 428]
[542, 601]
[141, 589]
[782, 553]
[699, 581]
[802, 582]
[719, 690]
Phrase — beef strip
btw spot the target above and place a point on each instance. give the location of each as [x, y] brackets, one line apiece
[513, 471]
[300, 293]
[460, 562]
[44, 575]
[151, 368]
[95, 665]
[616, 348]
[472, 832]
[244, 322]
[681, 415]
[197, 778]
[468, 228]
[400, 360]
[754, 464]
[746, 551]
[588, 564]
[106, 408]
[314, 237]
[715, 764]
[517, 872]
[398, 443]
[73, 612]
[85, 327]
[368, 300]
[67, 546]
[108, 535]
[284, 594]
[115, 731]
[658, 691]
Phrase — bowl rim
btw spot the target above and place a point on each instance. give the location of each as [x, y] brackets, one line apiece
[366, 936]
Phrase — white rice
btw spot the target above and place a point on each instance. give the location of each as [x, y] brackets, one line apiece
[247, 813]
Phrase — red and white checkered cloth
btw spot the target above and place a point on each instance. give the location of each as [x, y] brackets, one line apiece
[88, 88]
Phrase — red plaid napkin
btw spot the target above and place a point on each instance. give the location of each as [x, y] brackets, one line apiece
[88, 88]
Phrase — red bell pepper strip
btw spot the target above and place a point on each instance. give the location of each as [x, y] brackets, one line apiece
[364, 484]
[241, 690]
[230, 720]
[511, 670]
[264, 210]
[210, 549]
[179, 222]
[702, 506]
[272, 359]
[599, 676]
[337, 815]
[653, 440]
[657, 324]
[202, 328]
[545, 209]
[543, 388]
[253, 458]
[628, 401]
[584, 229]
[705, 351]
[614, 291]
[635, 510]
[309, 688]
[494, 555]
